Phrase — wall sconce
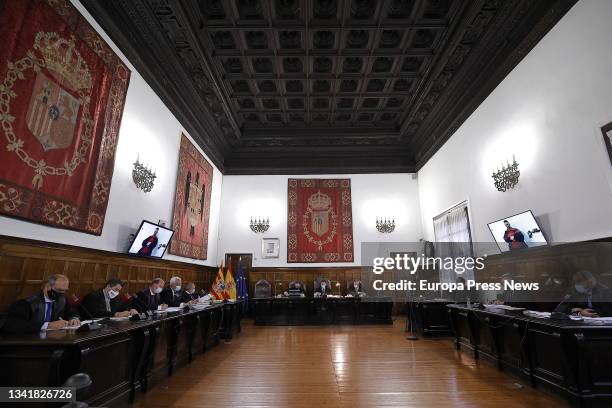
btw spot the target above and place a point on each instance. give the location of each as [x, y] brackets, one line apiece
[259, 226]
[385, 225]
[143, 177]
[507, 177]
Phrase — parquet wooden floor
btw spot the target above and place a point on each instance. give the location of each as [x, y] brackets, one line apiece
[340, 366]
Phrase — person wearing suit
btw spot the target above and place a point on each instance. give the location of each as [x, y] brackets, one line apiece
[149, 299]
[297, 285]
[323, 290]
[45, 310]
[105, 302]
[172, 294]
[589, 297]
[356, 289]
[189, 294]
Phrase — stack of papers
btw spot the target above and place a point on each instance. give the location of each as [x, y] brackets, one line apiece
[537, 315]
[597, 320]
[504, 307]
[83, 322]
[199, 305]
[169, 309]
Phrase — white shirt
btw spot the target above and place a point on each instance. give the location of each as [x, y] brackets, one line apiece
[48, 304]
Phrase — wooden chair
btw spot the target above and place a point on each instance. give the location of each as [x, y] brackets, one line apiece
[262, 289]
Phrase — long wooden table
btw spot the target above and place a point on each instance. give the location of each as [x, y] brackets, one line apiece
[572, 358]
[122, 357]
[320, 311]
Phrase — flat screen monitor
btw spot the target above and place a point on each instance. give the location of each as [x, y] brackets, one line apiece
[517, 232]
[151, 240]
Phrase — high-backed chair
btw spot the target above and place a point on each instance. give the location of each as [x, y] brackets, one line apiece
[263, 289]
[351, 289]
[292, 285]
[317, 283]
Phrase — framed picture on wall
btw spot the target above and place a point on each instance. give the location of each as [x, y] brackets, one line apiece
[607, 135]
[270, 247]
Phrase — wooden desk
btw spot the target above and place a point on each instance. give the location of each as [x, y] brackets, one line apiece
[571, 358]
[430, 317]
[120, 358]
[320, 311]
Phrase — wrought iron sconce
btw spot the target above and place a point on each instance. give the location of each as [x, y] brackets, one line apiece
[508, 177]
[143, 177]
[385, 225]
[259, 226]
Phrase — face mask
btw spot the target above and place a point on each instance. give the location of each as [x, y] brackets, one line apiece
[191, 292]
[54, 295]
[356, 286]
[158, 290]
[322, 287]
[580, 288]
[177, 288]
[112, 294]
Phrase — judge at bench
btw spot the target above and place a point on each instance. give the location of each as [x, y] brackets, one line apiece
[296, 286]
[172, 294]
[45, 310]
[324, 289]
[149, 298]
[105, 302]
[356, 289]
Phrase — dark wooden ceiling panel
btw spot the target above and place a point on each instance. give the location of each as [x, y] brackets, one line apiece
[306, 86]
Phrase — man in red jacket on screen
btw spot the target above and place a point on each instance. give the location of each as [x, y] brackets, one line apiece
[514, 237]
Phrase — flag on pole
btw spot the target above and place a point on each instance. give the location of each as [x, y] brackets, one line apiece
[218, 287]
[243, 292]
[230, 284]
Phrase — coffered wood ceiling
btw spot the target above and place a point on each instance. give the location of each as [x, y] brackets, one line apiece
[324, 86]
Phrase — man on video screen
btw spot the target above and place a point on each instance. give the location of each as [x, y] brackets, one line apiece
[514, 237]
[149, 244]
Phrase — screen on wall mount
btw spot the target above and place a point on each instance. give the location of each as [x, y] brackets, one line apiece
[151, 240]
[516, 232]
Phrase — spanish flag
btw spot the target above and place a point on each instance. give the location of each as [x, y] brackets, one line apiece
[218, 287]
[230, 284]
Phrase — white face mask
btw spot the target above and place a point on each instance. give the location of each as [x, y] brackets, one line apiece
[177, 288]
[322, 287]
[580, 288]
[191, 291]
[158, 290]
[356, 286]
[112, 294]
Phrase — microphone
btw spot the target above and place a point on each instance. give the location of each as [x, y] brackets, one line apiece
[556, 314]
[89, 326]
[142, 304]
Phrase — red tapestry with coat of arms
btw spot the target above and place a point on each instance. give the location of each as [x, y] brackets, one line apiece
[62, 92]
[319, 221]
[191, 203]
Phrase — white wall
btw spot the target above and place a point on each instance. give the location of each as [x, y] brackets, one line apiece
[548, 112]
[266, 196]
[149, 130]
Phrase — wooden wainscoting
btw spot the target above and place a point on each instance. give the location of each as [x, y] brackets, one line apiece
[552, 266]
[24, 264]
